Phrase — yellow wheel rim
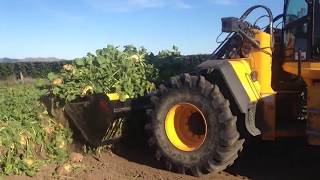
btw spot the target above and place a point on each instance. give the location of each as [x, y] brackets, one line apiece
[186, 127]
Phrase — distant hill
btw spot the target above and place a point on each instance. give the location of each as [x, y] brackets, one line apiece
[8, 60]
[50, 59]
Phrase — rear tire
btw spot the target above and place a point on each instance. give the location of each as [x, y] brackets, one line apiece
[218, 143]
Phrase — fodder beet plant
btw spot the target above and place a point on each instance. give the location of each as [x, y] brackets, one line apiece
[29, 138]
[110, 70]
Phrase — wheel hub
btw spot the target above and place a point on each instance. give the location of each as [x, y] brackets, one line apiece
[186, 127]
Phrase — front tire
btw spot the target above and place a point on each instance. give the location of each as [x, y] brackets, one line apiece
[193, 130]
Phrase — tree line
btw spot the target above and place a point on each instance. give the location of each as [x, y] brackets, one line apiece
[168, 63]
[29, 69]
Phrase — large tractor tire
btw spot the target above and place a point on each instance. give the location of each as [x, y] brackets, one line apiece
[193, 130]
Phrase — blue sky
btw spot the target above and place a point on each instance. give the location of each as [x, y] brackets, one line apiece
[71, 28]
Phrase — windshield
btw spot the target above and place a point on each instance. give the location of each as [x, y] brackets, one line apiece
[296, 9]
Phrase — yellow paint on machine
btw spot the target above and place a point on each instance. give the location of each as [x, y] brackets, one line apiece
[243, 71]
[115, 96]
[261, 61]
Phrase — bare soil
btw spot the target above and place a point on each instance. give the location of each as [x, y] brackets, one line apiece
[285, 159]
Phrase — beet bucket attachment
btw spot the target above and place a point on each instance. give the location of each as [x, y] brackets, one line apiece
[97, 117]
[100, 119]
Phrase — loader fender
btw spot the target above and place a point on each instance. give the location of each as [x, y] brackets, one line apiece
[223, 73]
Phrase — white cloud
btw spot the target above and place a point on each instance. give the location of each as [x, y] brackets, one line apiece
[131, 5]
[224, 2]
[146, 3]
[183, 5]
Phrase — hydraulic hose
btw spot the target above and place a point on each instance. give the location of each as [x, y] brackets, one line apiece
[270, 15]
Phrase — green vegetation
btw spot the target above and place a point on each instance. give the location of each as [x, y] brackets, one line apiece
[29, 138]
[29, 69]
[109, 71]
[168, 62]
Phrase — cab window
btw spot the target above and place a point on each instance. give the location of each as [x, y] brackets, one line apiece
[296, 9]
[296, 29]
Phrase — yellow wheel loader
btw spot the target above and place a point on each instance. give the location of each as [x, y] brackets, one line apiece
[260, 81]
[264, 80]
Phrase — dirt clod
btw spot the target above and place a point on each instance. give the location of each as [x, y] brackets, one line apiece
[76, 157]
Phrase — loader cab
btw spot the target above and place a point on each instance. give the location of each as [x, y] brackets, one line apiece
[295, 68]
[301, 29]
[300, 32]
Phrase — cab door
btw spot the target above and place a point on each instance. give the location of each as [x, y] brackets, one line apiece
[297, 29]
